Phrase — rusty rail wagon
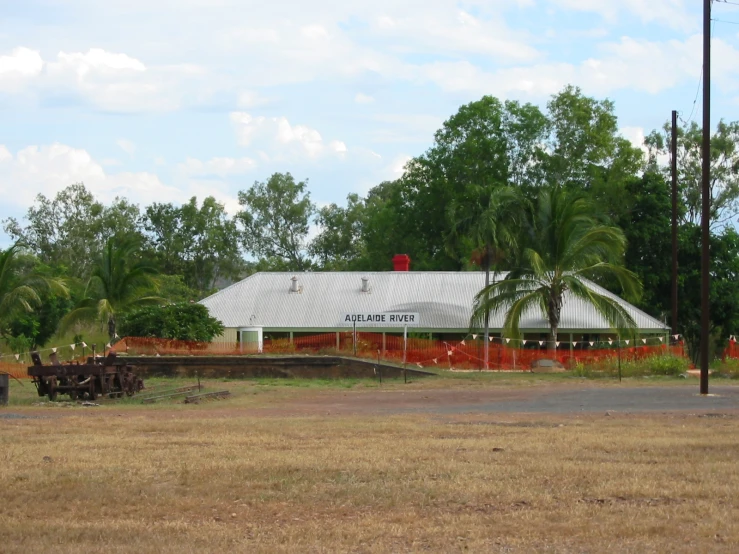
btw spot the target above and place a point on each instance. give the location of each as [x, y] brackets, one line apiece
[99, 376]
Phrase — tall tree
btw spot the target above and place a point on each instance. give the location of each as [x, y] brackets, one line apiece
[22, 288]
[338, 245]
[118, 283]
[69, 231]
[490, 219]
[276, 219]
[490, 143]
[724, 184]
[487, 143]
[646, 223]
[564, 246]
[199, 243]
[724, 286]
[585, 151]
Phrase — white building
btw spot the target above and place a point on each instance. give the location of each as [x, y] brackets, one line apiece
[281, 305]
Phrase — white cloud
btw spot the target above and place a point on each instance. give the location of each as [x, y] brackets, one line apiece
[450, 30]
[635, 135]
[671, 13]
[221, 167]
[50, 168]
[127, 146]
[278, 137]
[95, 60]
[20, 66]
[249, 99]
[5, 154]
[635, 64]
[363, 98]
[406, 127]
[396, 169]
[107, 80]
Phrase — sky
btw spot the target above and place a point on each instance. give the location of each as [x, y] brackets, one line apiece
[162, 100]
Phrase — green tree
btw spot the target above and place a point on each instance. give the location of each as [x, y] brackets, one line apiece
[565, 245]
[585, 151]
[487, 143]
[724, 315]
[646, 222]
[338, 245]
[199, 243]
[183, 321]
[22, 290]
[387, 230]
[69, 231]
[276, 219]
[488, 219]
[490, 144]
[724, 184]
[118, 283]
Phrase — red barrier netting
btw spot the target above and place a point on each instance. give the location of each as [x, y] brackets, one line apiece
[732, 350]
[465, 354]
[19, 370]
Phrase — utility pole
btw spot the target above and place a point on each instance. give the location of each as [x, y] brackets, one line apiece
[706, 198]
[673, 169]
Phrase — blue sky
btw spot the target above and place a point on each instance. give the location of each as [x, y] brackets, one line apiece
[160, 100]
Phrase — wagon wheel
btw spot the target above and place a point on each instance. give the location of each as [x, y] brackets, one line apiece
[51, 388]
[129, 385]
[73, 393]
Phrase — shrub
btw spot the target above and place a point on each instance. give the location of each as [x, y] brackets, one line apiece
[655, 365]
[729, 368]
[184, 321]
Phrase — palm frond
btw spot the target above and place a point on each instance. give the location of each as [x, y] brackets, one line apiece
[611, 310]
[628, 281]
[518, 308]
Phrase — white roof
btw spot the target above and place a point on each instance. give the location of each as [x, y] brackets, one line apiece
[442, 298]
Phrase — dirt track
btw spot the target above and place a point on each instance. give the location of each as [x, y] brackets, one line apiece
[586, 398]
[541, 400]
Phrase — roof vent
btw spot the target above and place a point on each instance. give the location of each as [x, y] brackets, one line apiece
[365, 284]
[294, 286]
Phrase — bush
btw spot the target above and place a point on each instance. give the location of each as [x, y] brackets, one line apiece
[729, 368]
[184, 321]
[655, 365]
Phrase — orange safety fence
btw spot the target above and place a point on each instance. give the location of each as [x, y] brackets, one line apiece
[732, 350]
[19, 370]
[465, 354]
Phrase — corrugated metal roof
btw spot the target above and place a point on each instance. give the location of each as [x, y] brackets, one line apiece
[442, 298]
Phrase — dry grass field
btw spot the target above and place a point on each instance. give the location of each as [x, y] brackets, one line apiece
[218, 478]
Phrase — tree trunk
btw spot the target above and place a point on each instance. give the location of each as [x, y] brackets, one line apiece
[554, 312]
[111, 328]
[552, 342]
[486, 263]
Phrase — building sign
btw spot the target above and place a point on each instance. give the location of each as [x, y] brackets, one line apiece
[388, 319]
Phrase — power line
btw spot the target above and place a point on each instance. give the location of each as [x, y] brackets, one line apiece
[725, 21]
[695, 100]
[700, 82]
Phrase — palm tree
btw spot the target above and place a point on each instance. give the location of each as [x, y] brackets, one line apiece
[20, 292]
[117, 284]
[565, 245]
[490, 219]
